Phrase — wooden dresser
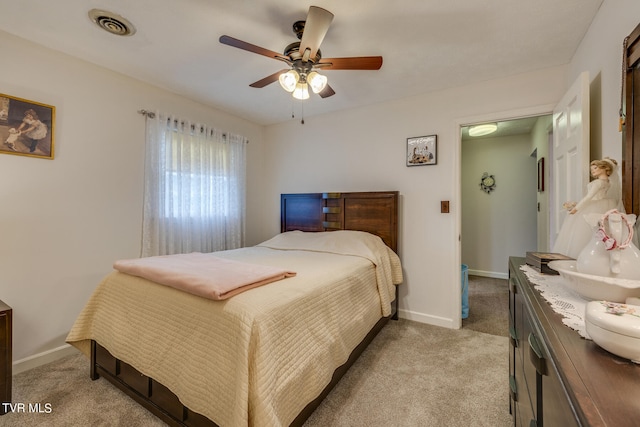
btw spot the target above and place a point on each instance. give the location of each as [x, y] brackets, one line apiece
[5, 354]
[558, 378]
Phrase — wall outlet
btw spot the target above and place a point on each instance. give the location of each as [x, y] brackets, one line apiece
[444, 206]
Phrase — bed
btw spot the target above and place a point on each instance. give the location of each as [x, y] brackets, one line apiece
[267, 356]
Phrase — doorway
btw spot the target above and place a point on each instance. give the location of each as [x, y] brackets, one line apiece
[502, 220]
[504, 215]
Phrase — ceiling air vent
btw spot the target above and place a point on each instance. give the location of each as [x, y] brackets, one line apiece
[111, 22]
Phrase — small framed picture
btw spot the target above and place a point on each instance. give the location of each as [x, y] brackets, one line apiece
[26, 127]
[422, 150]
[541, 175]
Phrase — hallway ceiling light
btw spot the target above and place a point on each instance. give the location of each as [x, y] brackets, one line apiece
[484, 129]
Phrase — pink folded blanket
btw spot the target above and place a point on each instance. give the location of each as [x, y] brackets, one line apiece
[201, 274]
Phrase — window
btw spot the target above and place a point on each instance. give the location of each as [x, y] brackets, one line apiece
[194, 188]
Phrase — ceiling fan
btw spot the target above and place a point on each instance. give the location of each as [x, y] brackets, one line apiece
[305, 59]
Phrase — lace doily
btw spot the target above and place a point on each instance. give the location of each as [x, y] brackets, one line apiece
[562, 299]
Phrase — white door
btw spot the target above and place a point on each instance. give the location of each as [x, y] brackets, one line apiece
[569, 172]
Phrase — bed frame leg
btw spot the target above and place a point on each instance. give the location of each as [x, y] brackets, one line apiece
[93, 372]
[394, 316]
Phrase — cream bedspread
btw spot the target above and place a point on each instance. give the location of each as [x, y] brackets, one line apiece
[256, 359]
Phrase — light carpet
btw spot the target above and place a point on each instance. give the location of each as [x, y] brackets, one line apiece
[488, 306]
[412, 374]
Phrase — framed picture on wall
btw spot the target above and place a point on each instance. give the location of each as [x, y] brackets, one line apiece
[541, 175]
[26, 127]
[422, 150]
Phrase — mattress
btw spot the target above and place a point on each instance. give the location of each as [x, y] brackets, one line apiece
[261, 356]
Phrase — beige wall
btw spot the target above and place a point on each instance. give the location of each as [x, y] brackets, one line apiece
[64, 221]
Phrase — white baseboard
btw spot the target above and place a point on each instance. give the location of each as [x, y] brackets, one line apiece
[424, 318]
[42, 358]
[492, 274]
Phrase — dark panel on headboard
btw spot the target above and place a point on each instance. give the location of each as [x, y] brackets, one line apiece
[375, 212]
[301, 212]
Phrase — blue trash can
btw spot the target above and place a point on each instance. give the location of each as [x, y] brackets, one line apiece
[465, 291]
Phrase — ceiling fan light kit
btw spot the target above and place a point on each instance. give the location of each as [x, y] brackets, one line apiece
[289, 80]
[298, 84]
[317, 81]
[301, 91]
[304, 57]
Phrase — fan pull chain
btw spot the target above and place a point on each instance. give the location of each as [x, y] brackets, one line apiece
[301, 109]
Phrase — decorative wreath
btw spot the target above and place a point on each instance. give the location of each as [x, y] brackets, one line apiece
[487, 183]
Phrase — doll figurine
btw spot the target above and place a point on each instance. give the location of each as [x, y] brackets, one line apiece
[603, 194]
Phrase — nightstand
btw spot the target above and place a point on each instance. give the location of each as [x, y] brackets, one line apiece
[5, 355]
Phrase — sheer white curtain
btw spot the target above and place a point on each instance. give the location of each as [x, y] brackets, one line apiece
[194, 189]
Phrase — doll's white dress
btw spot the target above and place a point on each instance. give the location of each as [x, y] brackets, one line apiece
[575, 233]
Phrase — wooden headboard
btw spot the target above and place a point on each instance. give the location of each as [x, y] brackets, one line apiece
[375, 212]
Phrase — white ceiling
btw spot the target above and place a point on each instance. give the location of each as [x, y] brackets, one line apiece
[427, 45]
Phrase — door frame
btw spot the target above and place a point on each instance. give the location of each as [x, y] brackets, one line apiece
[630, 170]
[539, 110]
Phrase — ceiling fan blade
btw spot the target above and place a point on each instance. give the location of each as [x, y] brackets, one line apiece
[268, 80]
[315, 28]
[233, 42]
[326, 92]
[354, 63]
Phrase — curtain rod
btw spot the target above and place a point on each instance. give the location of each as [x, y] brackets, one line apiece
[149, 114]
[152, 115]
